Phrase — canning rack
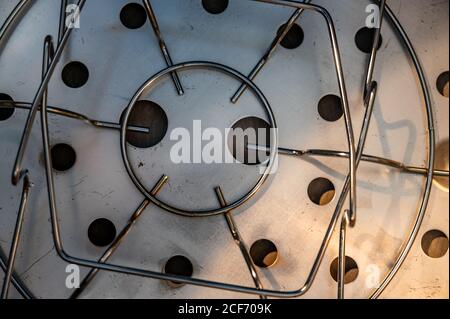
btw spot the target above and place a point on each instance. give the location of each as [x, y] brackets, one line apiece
[355, 154]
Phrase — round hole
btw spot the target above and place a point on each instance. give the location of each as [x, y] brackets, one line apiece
[250, 130]
[330, 108]
[435, 244]
[75, 74]
[6, 113]
[264, 253]
[215, 6]
[321, 191]
[101, 232]
[442, 84]
[442, 163]
[294, 38]
[63, 157]
[351, 270]
[149, 115]
[364, 39]
[133, 16]
[178, 265]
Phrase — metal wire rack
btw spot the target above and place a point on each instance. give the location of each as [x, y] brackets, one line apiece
[53, 49]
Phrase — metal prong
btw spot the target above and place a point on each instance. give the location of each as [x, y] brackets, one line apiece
[62, 20]
[75, 116]
[119, 239]
[17, 170]
[342, 154]
[16, 238]
[373, 54]
[15, 280]
[162, 44]
[275, 43]
[239, 241]
[342, 257]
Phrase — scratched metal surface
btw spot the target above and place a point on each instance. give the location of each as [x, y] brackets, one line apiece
[120, 60]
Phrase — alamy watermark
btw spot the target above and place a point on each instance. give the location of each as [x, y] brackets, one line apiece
[373, 19]
[199, 145]
[73, 277]
[72, 16]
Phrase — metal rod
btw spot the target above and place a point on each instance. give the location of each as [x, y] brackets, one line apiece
[74, 115]
[5, 30]
[370, 92]
[431, 153]
[373, 54]
[382, 161]
[62, 20]
[267, 55]
[162, 45]
[119, 239]
[47, 56]
[15, 280]
[341, 154]
[17, 171]
[341, 258]
[239, 241]
[16, 238]
[17, 12]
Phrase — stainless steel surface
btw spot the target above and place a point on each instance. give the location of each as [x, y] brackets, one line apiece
[154, 23]
[17, 170]
[112, 248]
[282, 212]
[9, 270]
[370, 94]
[239, 241]
[273, 46]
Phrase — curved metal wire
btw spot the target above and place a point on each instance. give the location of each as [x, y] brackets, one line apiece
[152, 82]
[16, 238]
[431, 154]
[403, 168]
[370, 94]
[18, 172]
[74, 115]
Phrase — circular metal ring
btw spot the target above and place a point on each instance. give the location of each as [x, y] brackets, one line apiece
[191, 65]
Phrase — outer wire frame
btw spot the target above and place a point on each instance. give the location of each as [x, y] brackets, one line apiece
[424, 85]
[207, 283]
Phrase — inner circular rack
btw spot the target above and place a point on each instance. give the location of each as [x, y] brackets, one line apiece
[144, 124]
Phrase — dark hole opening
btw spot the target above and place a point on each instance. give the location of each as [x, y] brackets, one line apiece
[133, 16]
[250, 131]
[351, 270]
[63, 157]
[294, 38]
[321, 191]
[215, 6]
[442, 84]
[435, 243]
[102, 232]
[330, 108]
[178, 265]
[364, 39]
[264, 253]
[75, 74]
[150, 115]
[6, 112]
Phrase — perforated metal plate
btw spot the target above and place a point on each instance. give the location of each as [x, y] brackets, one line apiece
[120, 60]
